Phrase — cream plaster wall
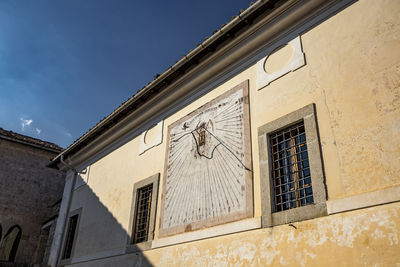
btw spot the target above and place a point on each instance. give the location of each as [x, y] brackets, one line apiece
[368, 237]
[356, 68]
[352, 74]
[351, 239]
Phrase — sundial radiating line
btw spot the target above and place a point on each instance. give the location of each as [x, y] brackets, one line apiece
[228, 193]
[220, 184]
[230, 112]
[226, 109]
[222, 162]
[177, 184]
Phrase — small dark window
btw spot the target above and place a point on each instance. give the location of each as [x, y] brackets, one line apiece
[290, 168]
[69, 241]
[9, 244]
[143, 211]
[143, 214]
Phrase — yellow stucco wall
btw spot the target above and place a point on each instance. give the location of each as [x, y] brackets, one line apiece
[352, 74]
[368, 237]
[358, 238]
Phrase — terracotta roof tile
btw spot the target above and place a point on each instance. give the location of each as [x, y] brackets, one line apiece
[29, 140]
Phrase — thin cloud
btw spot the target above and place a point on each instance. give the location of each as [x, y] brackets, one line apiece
[38, 131]
[25, 123]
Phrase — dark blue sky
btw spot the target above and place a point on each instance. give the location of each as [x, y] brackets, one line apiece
[66, 64]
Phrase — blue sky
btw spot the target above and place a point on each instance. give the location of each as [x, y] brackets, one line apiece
[66, 64]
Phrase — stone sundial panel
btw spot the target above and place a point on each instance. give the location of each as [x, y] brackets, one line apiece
[208, 177]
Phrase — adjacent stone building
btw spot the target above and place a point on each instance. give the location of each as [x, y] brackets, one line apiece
[275, 142]
[30, 195]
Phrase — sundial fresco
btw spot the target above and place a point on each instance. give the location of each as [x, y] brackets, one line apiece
[208, 177]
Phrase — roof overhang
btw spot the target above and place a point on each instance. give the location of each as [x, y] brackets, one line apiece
[233, 41]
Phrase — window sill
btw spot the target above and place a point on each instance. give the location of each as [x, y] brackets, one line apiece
[294, 215]
[143, 246]
[219, 230]
[65, 262]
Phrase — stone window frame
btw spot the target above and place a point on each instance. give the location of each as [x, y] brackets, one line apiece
[71, 214]
[146, 245]
[306, 114]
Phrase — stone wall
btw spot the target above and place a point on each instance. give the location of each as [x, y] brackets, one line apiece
[29, 191]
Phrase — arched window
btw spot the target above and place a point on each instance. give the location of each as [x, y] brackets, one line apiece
[9, 244]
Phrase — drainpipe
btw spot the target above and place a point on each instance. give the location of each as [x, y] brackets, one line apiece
[63, 214]
[67, 165]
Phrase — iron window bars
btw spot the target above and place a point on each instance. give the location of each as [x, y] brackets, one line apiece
[143, 211]
[292, 178]
[290, 170]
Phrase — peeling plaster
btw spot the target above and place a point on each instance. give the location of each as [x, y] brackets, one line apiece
[362, 232]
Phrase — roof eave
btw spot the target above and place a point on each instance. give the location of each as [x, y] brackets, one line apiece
[178, 69]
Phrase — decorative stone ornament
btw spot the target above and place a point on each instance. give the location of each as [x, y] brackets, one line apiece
[280, 61]
[151, 137]
[83, 177]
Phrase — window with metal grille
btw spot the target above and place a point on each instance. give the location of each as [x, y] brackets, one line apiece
[69, 241]
[143, 211]
[290, 168]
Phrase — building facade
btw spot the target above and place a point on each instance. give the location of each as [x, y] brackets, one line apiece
[274, 142]
[30, 195]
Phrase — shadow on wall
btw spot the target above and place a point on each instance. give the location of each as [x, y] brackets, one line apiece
[93, 236]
